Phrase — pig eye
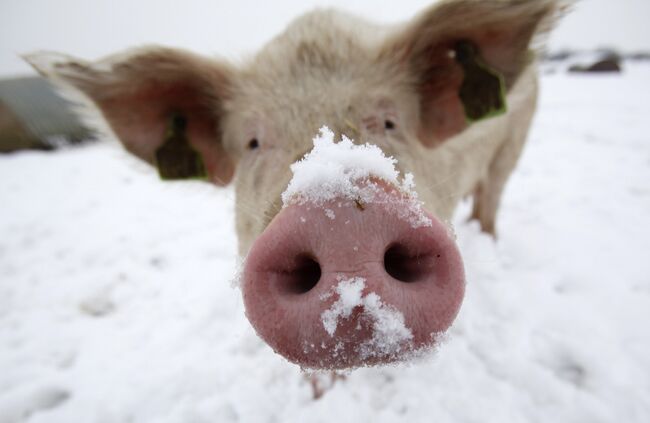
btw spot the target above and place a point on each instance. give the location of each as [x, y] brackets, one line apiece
[253, 144]
[389, 124]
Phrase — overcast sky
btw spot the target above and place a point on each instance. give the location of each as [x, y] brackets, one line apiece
[93, 28]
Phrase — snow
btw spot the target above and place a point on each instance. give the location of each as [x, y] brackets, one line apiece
[336, 171]
[330, 214]
[333, 170]
[349, 292]
[115, 302]
[390, 336]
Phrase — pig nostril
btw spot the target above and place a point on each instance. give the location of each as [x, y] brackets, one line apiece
[303, 276]
[405, 266]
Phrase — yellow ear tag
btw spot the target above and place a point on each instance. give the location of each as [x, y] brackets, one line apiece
[176, 159]
[482, 91]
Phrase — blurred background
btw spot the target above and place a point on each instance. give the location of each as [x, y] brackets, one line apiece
[30, 118]
[93, 29]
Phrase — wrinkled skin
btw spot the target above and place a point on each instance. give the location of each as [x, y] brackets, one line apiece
[394, 87]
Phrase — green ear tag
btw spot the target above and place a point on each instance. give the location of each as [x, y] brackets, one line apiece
[483, 89]
[176, 159]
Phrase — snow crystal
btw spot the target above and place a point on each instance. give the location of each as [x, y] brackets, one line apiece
[330, 213]
[389, 332]
[342, 169]
[349, 297]
[236, 280]
[332, 169]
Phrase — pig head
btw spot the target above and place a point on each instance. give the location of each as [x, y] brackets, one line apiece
[402, 88]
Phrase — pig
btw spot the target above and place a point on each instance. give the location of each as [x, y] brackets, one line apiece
[449, 94]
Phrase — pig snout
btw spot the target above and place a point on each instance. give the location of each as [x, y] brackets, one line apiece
[347, 284]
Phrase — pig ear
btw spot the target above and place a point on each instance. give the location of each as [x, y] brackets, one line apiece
[464, 55]
[142, 92]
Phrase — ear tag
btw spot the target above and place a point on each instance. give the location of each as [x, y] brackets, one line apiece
[483, 89]
[176, 159]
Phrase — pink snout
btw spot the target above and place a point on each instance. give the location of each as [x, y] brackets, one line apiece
[348, 284]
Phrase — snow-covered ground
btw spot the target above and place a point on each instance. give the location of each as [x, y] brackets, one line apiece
[116, 302]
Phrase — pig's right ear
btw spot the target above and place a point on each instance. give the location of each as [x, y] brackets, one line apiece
[144, 92]
[462, 57]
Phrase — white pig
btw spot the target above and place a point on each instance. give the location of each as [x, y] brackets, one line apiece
[450, 95]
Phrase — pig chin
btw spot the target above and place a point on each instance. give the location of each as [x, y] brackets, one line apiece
[345, 284]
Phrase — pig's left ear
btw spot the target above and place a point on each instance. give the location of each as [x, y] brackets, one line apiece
[464, 55]
[164, 105]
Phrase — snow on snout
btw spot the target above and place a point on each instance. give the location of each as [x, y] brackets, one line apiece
[343, 170]
[389, 332]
